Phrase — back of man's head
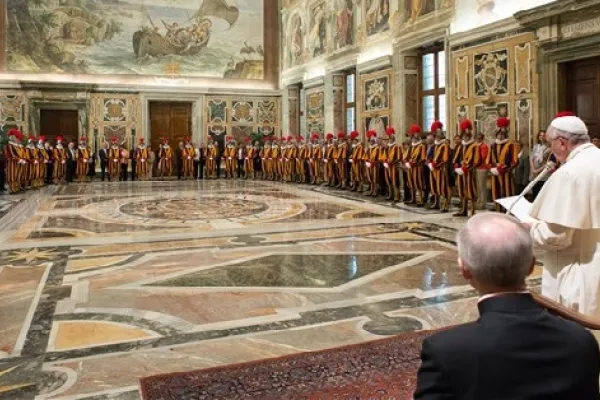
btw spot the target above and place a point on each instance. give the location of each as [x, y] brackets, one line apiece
[495, 252]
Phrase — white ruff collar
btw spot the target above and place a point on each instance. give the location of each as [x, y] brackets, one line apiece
[415, 144]
[498, 141]
[59, 146]
[467, 142]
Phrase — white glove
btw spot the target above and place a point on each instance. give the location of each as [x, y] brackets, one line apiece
[351, 161]
[22, 162]
[36, 162]
[368, 164]
[386, 165]
[143, 160]
[115, 160]
[494, 171]
[407, 165]
[85, 160]
[430, 165]
[63, 161]
[189, 158]
[459, 171]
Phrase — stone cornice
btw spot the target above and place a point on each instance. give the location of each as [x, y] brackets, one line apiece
[475, 36]
[560, 9]
[314, 82]
[371, 65]
[124, 88]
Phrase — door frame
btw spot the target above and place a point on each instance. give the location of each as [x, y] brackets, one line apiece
[195, 99]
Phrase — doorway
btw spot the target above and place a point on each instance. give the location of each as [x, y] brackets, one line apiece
[170, 119]
[582, 92]
[55, 123]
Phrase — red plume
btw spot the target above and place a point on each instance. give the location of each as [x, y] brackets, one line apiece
[329, 136]
[354, 134]
[502, 122]
[315, 136]
[390, 131]
[414, 130]
[371, 134]
[341, 135]
[437, 125]
[59, 138]
[466, 125]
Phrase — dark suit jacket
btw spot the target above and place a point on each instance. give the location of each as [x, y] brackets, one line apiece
[515, 351]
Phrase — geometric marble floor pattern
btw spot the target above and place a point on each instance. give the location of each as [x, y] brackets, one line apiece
[105, 283]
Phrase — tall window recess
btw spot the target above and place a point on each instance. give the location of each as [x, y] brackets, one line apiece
[432, 87]
[350, 101]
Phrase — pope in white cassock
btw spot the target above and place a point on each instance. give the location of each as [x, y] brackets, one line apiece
[567, 219]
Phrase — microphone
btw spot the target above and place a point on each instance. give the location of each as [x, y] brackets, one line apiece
[548, 169]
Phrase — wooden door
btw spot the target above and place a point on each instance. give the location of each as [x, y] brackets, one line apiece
[59, 122]
[172, 120]
[583, 92]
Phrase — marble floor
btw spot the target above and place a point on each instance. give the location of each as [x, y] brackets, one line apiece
[104, 283]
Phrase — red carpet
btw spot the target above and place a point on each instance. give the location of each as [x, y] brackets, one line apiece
[381, 369]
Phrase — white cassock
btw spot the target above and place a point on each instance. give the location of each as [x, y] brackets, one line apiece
[567, 211]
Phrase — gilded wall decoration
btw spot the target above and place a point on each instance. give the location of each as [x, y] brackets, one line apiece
[375, 101]
[504, 83]
[13, 110]
[242, 112]
[240, 117]
[266, 112]
[377, 16]
[317, 36]
[315, 110]
[344, 24]
[376, 93]
[217, 111]
[114, 115]
[523, 68]
[490, 73]
[115, 110]
[486, 116]
[190, 38]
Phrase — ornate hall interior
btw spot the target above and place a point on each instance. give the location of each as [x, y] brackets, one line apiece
[104, 283]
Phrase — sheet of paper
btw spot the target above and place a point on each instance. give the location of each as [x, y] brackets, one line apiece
[519, 207]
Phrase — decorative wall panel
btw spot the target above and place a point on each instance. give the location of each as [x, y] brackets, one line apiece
[523, 68]
[490, 73]
[240, 117]
[375, 103]
[462, 77]
[315, 110]
[504, 83]
[13, 111]
[114, 115]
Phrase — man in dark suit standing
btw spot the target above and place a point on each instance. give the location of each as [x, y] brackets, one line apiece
[517, 349]
[103, 155]
[71, 162]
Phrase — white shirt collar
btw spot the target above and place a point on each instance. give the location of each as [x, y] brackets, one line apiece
[489, 296]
